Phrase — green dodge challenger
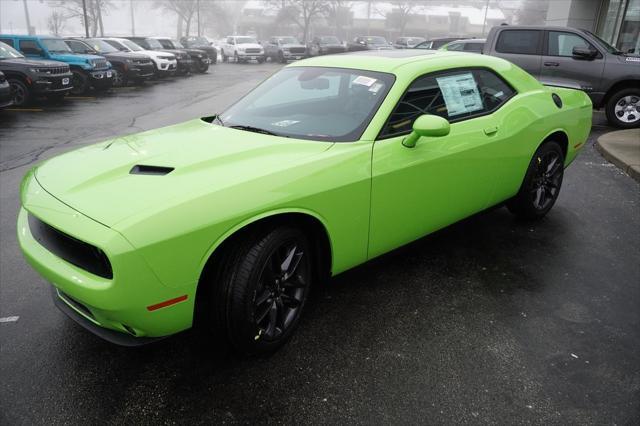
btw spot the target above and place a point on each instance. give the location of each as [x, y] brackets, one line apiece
[229, 220]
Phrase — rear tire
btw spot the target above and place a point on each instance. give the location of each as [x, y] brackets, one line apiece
[623, 108]
[541, 185]
[260, 290]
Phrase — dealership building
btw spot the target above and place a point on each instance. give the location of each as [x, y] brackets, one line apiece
[615, 21]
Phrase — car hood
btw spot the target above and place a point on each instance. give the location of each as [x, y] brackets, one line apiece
[98, 181]
[73, 57]
[156, 53]
[126, 55]
[32, 62]
[290, 45]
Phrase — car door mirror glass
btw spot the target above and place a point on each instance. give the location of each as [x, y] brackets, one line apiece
[427, 125]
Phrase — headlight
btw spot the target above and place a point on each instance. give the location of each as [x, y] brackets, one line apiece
[199, 55]
[285, 49]
[128, 61]
[241, 49]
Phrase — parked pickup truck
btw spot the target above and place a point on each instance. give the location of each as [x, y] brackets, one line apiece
[88, 70]
[29, 78]
[242, 49]
[578, 59]
[284, 48]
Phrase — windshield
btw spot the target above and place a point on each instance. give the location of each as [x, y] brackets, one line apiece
[246, 40]
[55, 45]
[376, 40]
[154, 44]
[326, 104]
[329, 40]
[198, 41]
[288, 40]
[177, 44]
[604, 44]
[8, 52]
[131, 45]
[100, 46]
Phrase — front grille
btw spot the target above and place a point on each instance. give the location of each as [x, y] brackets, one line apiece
[99, 63]
[54, 70]
[297, 50]
[76, 252]
[252, 50]
[142, 61]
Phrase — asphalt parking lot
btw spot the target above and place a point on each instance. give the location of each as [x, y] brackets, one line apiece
[489, 321]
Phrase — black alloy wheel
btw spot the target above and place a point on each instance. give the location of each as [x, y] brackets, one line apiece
[255, 298]
[541, 186]
[19, 92]
[80, 83]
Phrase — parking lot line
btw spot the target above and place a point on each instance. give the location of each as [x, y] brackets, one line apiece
[25, 109]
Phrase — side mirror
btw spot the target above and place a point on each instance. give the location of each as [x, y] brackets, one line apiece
[584, 53]
[427, 125]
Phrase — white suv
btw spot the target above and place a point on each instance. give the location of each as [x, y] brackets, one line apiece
[165, 62]
[242, 49]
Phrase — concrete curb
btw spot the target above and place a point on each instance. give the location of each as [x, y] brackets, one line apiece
[622, 148]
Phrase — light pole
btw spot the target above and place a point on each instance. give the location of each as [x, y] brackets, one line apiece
[486, 10]
[27, 18]
[198, 11]
[86, 19]
[133, 21]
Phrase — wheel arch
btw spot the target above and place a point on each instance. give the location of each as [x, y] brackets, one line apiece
[310, 221]
[560, 136]
[19, 75]
[619, 85]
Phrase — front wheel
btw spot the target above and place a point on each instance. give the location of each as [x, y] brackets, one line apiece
[541, 185]
[80, 83]
[623, 108]
[202, 67]
[262, 289]
[20, 92]
[119, 78]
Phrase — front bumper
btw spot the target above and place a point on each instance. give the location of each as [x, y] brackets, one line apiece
[120, 304]
[250, 56]
[166, 67]
[52, 84]
[101, 78]
[139, 71]
[185, 65]
[292, 56]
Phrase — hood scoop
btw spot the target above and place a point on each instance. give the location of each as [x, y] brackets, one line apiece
[140, 169]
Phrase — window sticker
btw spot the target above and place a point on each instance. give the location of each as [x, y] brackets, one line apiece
[375, 88]
[460, 93]
[364, 80]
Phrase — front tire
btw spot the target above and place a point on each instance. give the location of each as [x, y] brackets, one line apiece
[541, 185]
[261, 290]
[119, 78]
[623, 108]
[20, 92]
[80, 83]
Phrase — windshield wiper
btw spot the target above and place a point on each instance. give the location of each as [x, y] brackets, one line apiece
[255, 130]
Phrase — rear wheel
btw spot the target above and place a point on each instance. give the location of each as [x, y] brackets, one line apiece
[623, 108]
[542, 182]
[20, 92]
[261, 290]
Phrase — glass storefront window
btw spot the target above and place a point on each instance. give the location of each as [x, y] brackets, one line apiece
[619, 24]
[629, 38]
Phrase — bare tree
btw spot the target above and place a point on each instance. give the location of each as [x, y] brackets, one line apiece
[56, 22]
[300, 12]
[95, 10]
[338, 13]
[184, 9]
[401, 13]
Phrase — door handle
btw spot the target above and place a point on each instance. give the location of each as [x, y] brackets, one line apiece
[551, 64]
[491, 130]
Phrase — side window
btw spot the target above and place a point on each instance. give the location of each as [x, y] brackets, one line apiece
[166, 43]
[472, 47]
[7, 41]
[562, 44]
[230, 40]
[76, 46]
[524, 42]
[452, 95]
[455, 47]
[29, 47]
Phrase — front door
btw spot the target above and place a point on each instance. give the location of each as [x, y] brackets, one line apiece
[441, 180]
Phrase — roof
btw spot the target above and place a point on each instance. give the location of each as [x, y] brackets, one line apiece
[30, 37]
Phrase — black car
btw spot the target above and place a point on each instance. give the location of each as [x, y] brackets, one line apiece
[6, 99]
[436, 43]
[201, 43]
[325, 45]
[200, 57]
[185, 63]
[127, 66]
[30, 78]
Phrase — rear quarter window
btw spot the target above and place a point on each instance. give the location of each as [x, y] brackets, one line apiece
[523, 42]
[7, 41]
